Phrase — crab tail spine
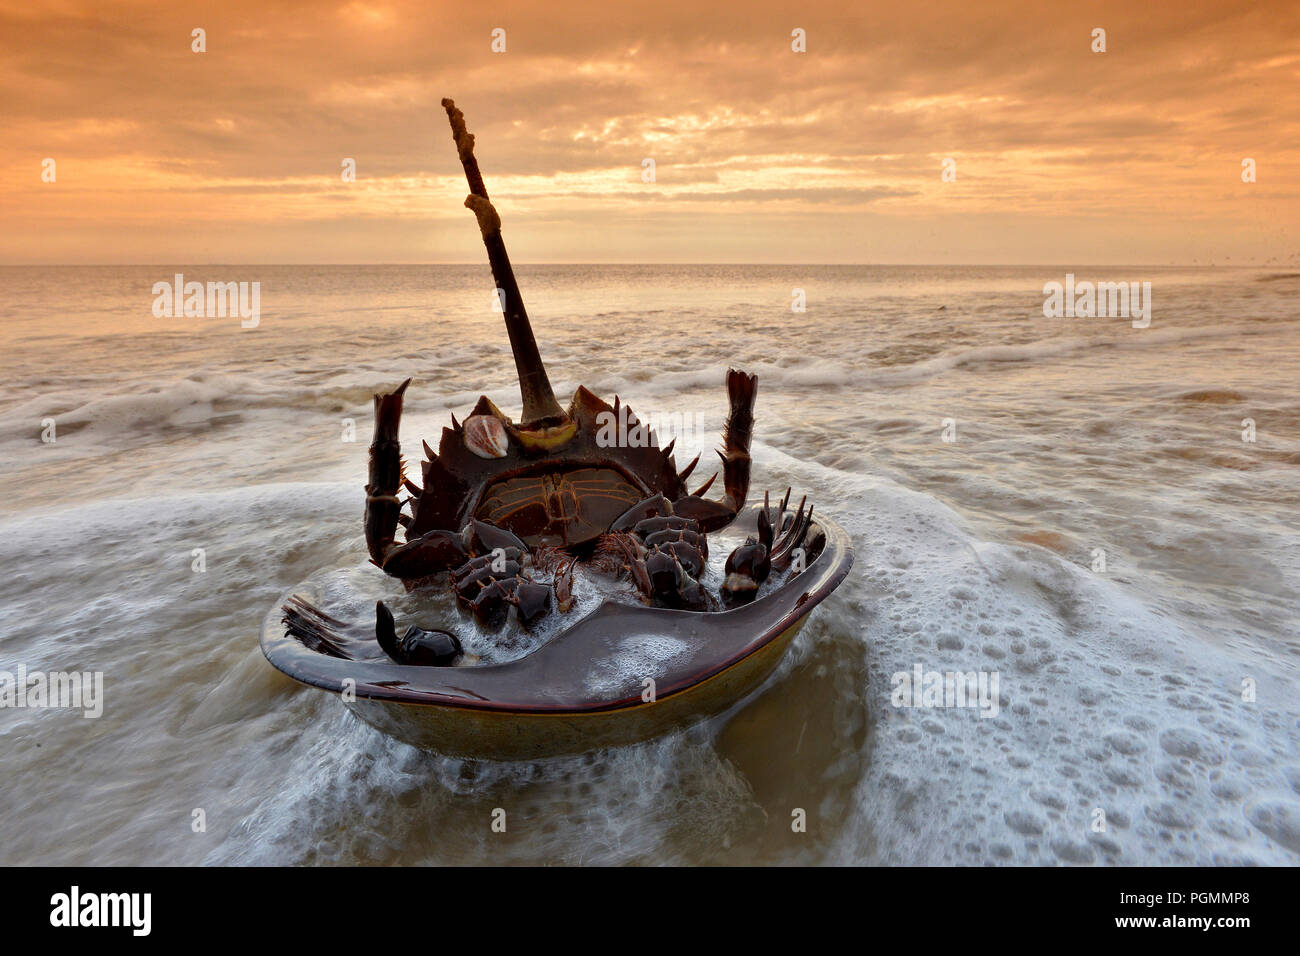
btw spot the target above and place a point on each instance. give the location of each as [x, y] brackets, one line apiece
[534, 386]
[383, 508]
[742, 389]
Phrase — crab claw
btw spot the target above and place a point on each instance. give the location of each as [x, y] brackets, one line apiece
[417, 646]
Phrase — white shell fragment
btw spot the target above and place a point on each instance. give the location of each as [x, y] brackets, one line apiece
[485, 436]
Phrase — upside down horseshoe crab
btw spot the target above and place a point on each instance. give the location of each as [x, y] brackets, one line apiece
[500, 499]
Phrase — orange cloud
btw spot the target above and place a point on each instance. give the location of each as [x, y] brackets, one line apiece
[761, 153]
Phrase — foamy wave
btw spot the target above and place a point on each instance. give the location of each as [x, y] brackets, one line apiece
[1099, 693]
[1033, 351]
[180, 402]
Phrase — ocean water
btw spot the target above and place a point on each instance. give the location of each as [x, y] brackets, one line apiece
[1148, 708]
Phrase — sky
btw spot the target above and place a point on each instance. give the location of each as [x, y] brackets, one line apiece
[1059, 154]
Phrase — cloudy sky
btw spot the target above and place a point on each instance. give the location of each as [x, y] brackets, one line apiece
[762, 154]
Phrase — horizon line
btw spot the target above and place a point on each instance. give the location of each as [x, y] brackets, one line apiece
[791, 265]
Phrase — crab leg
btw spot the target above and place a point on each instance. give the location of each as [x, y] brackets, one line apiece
[383, 508]
[665, 554]
[419, 557]
[747, 567]
[742, 389]
[419, 646]
[713, 516]
[773, 550]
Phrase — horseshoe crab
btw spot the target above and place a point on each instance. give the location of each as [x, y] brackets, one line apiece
[503, 505]
[557, 481]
